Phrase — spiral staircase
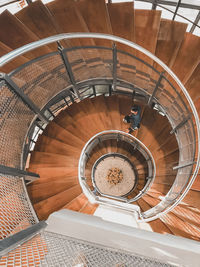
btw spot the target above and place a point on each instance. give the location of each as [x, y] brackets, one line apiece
[61, 92]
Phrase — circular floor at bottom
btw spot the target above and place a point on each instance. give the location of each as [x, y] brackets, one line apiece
[101, 172]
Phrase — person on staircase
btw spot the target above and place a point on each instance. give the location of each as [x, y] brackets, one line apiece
[134, 118]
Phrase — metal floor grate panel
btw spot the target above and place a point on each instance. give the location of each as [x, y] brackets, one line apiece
[50, 249]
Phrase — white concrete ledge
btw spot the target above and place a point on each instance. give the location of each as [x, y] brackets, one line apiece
[165, 248]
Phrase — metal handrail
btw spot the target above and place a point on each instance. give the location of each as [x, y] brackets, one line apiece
[7, 58]
[82, 163]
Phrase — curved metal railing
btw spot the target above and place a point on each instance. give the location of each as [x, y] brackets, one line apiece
[157, 86]
[132, 141]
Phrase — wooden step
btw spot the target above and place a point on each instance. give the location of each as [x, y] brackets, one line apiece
[147, 24]
[96, 16]
[55, 131]
[73, 119]
[49, 159]
[192, 199]
[4, 49]
[187, 58]
[196, 184]
[113, 109]
[45, 207]
[77, 203]
[48, 188]
[192, 85]
[50, 145]
[39, 20]
[21, 35]
[156, 225]
[125, 104]
[101, 108]
[88, 208]
[119, 12]
[175, 224]
[53, 172]
[93, 123]
[62, 10]
[186, 214]
[170, 38]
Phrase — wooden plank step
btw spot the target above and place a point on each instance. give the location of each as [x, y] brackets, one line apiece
[168, 146]
[50, 145]
[175, 224]
[73, 119]
[156, 225]
[163, 180]
[125, 104]
[68, 176]
[192, 84]
[160, 132]
[4, 49]
[96, 16]
[39, 20]
[45, 207]
[187, 58]
[94, 122]
[88, 208]
[147, 24]
[44, 158]
[196, 184]
[52, 172]
[62, 10]
[170, 38]
[44, 190]
[55, 131]
[77, 203]
[192, 199]
[188, 215]
[21, 35]
[113, 109]
[101, 108]
[119, 12]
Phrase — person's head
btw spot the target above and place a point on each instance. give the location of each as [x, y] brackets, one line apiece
[134, 110]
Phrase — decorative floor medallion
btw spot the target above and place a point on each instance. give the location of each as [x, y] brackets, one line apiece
[114, 176]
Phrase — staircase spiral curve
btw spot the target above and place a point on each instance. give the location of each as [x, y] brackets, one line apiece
[83, 86]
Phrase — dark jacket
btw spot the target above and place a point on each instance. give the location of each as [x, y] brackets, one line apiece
[135, 119]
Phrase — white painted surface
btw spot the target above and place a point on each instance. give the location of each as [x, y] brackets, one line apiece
[166, 248]
[115, 215]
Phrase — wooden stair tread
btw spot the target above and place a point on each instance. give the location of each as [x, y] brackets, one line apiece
[96, 16]
[147, 25]
[188, 57]
[156, 225]
[4, 49]
[77, 203]
[63, 9]
[44, 158]
[45, 207]
[177, 226]
[192, 84]
[50, 145]
[170, 38]
[39, 192]
[39, 20]
[119, 12]
[47, 172]
[53, 130]
[113, 108]
[88, 208]
[21, 35]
